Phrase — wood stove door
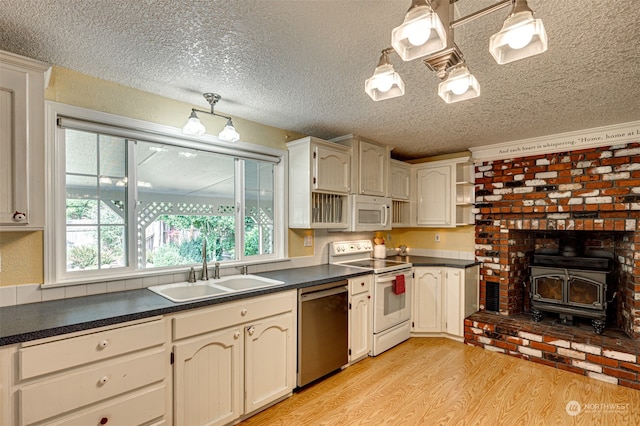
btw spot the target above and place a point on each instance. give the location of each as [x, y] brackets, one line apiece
[548, 288]
[585, 293]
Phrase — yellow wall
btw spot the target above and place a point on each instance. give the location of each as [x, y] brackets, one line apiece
[22, 258]
[22, 252]
[451, 239]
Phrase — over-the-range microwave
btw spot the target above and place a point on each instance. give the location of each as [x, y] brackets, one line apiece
[369, 213]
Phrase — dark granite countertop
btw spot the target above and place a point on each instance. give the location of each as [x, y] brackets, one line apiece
[435, 261]
[32, 321]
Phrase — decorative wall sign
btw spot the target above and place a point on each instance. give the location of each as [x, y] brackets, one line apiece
[571, 141]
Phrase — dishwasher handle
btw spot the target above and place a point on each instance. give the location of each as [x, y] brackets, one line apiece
[323, 293]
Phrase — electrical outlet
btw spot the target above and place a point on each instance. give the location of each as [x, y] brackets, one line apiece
[437, 238]
[308, 241]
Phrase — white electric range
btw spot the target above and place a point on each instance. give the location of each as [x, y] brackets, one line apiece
[391, 308]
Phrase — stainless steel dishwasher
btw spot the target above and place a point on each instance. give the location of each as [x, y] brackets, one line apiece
[323, 337]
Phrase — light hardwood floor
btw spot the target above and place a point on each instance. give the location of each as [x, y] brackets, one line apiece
[436, 381]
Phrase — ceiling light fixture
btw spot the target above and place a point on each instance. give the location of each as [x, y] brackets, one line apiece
[195, 127]
[385, 83]
[422, 34]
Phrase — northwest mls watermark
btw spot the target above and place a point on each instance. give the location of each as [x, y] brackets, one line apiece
[575, 408]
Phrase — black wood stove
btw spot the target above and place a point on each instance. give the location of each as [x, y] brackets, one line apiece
[570, 286]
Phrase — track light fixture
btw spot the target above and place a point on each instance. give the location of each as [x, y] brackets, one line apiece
[423, 34]
[195, 127]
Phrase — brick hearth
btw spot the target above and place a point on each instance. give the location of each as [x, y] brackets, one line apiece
[531, 202]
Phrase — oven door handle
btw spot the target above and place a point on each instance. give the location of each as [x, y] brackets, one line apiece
[387, 279]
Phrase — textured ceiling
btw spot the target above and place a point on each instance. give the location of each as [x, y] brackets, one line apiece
[301, 65]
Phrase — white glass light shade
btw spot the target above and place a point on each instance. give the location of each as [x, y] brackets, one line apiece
[459, 86]
[229, 133]
[521, 36]
[385, 83]
[193, 125]
[420, 34]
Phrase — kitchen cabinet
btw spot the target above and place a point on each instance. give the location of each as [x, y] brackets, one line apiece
[443, 298]
[22, 84]
[233, 359]
[369, 165]
[445, 193]
[400, 193]
[319, 184]
[112, 376]
[360, 317]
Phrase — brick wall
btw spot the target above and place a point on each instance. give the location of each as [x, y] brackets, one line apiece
[589, 190]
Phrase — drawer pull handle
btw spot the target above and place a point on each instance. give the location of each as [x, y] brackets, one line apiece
[104, 380]
[251, 330]
[103, 344]
[243, 312]
[104, 421]
[362, 284]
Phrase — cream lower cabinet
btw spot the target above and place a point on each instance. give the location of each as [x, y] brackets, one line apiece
[443, 298]
[233, 359]
[360, 317]
[109, 376]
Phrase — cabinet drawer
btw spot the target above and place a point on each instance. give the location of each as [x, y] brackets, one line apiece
[232, 313]
[359, 285]
[138, 409]
[57, 396]
[61, 354]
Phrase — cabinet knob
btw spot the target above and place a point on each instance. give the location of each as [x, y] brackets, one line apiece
[103, 344]
[251, 330]
[362, 284]
[236, 335]
[369, 297]
[243, 312]
[103, 380]
[104, 420]
[19, 216]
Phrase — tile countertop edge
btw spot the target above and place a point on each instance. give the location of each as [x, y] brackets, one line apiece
[22, 323]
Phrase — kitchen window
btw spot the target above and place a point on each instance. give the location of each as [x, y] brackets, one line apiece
[128, 202]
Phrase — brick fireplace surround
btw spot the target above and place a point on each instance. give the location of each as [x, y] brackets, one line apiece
[533, 202]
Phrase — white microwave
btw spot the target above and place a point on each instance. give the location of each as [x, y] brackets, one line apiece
[370, 213]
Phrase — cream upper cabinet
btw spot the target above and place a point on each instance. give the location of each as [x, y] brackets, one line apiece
[399, 180]
[319, 184]
[434, 196]
[369, 165]
[360, 317]
[443, 298]
[445, 192]
[22, 84]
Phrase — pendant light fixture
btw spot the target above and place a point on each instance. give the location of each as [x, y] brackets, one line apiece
[385, 83]
[460, 85]
[193, 125]
[427, 32]
[420, 34]
[521, 36]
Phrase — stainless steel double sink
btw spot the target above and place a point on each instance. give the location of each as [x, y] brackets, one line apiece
[186, 292]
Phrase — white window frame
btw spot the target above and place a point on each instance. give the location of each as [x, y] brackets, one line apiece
[55, 236]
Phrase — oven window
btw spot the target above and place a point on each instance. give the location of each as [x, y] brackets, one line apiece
[393, 302]
[550, 287]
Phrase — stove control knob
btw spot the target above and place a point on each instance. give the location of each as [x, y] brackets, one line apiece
[358, 246]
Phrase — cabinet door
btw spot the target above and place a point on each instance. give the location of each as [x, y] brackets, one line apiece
[207, 378]
[270, 360]
[374, 168]
[435, 197]
[400, 178]
[453, 301]
[331, 169]
[360, 332]
[14, 142]
[427, 300]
